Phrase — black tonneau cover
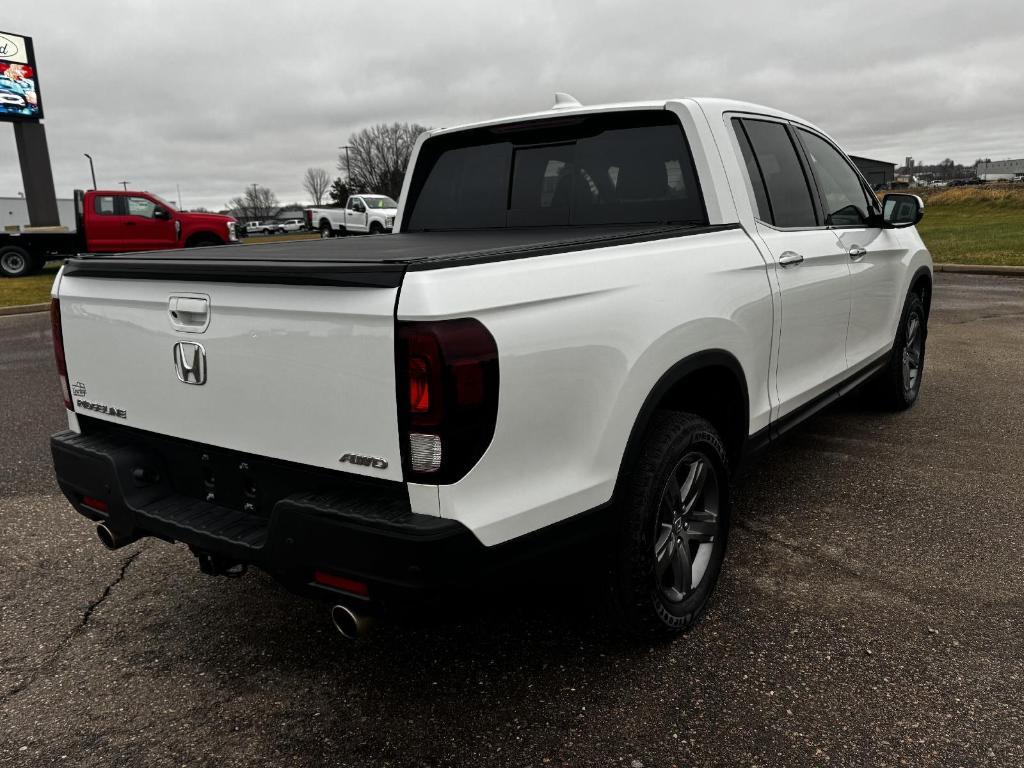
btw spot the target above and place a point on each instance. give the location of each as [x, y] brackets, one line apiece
[378, 260]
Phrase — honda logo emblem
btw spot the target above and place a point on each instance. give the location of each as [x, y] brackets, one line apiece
[190, 362]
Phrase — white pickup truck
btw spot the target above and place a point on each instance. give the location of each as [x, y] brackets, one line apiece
[263, 227]
[586, 319]
[362, 215]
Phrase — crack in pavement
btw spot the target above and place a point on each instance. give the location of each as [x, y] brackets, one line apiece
[75, 632]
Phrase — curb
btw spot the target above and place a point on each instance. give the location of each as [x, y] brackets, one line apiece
[24, 309]
[980, 269]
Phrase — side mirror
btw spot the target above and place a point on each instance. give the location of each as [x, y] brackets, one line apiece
[161, 213]
[899, 210]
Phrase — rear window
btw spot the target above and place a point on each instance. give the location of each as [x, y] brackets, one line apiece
[622, 168]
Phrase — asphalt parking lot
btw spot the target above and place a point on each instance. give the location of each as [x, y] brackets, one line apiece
[870, 613]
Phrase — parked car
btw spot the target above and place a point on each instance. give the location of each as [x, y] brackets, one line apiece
[114, 222]
[264, 228]
[291, 225]
[576, 354]
[362, 214]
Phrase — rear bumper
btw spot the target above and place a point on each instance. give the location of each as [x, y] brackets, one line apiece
[288, 520]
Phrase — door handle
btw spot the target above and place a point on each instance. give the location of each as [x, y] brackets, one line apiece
[189, 313]
[856, 252]
[789, 259]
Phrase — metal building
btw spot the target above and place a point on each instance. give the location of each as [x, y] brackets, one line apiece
[1000, 170]
[877, 172]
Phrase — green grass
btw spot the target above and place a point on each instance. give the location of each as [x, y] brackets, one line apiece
[972, 225]
[28, 290]
[257, 239]
[968, 225]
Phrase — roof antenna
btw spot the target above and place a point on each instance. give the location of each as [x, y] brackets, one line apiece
[564, 101]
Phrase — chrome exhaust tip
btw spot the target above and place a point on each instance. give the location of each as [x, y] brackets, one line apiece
[350, 623]
[111, 539]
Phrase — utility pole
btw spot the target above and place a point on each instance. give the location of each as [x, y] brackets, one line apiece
[178, 187]
[92, 169]
[348, 167]
[124, 184]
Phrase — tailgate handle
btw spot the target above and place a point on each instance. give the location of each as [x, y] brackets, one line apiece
[189, 313]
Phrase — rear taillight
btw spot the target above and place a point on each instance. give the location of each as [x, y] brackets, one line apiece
[448, 397]
[58, 353]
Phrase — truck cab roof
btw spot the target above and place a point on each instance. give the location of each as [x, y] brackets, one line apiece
[709, 105]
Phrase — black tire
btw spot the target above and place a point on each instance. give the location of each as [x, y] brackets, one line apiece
[266, 231]
[205, 241]
[376, 228]
[898, 385]
[325, 230]
[650, 594]
[16, 261]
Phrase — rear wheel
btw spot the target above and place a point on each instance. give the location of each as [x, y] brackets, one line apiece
[15, 261]
[325, 230]
[898, 385]
[674, 527]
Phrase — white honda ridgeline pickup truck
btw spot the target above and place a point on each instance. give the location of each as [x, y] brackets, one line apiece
[586, 319]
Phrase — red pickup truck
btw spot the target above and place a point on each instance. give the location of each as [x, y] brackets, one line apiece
[114, 222]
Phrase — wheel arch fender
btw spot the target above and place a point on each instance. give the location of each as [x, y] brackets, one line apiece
[728, 408]
[921, 283]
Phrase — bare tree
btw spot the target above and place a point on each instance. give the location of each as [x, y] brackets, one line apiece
[257, 203]
[316, 182]
[378, 156]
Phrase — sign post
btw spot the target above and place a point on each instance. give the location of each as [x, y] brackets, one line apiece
[21, 104]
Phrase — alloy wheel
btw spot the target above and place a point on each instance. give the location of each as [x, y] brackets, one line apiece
[913, 349]
[687, 526]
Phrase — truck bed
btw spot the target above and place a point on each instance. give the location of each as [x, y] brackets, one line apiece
[371, 261]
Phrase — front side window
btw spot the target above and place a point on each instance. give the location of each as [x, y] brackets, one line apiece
[141, 206]
[103, 205]
[842, 194]
[788, 191]
[620, 168]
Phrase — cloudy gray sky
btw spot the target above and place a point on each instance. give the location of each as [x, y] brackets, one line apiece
[216, 96]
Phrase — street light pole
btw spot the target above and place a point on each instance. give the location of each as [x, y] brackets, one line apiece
[92, 169]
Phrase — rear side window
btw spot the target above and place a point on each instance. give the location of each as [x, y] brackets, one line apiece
[842, 195]
[763, 210]
[623, 168]
[788, 192]
[103, 205]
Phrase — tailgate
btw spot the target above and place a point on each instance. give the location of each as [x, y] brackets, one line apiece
[299, 373]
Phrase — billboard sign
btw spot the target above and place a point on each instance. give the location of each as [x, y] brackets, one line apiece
[19, 79]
